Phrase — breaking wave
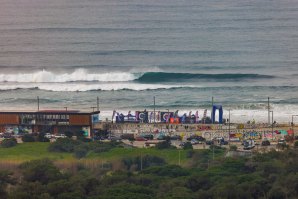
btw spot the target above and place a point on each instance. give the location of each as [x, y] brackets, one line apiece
[76, 76]
[81, 75]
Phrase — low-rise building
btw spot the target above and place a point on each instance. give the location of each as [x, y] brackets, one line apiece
[46, 121]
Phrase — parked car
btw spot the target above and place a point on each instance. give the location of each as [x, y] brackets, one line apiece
[114, 138]
[265, 143]
[48, 135]
[7, 135]
[281, 141]
[61, 135]
[148, 137]
[220, 140]
[140, 139]
[194, 141]
[248, 144]
[161, 137]
[197, 137]
[182, 144]
[175, 137]
[209, 142]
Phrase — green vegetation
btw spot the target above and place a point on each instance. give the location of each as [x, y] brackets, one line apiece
[233, 148]
[30, 151]
[10, 142]
[118, 172]
[104, 151]
[271, 175]
[28, 138]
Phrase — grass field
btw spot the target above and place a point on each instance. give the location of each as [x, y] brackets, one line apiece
[38, 150]
[30, 151]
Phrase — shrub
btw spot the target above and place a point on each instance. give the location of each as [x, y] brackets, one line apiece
[233, 148]
[10, 142]
[84, 139]
[163, 145]
[43, 171]
[68, 134]
[41, 138]
[63, 145]
[189, 153]
[143, 162]
[187, 145]
[282, 146]
[168, 170]
[28, 138]
[79, 134]
[80, 152]
[296, 144]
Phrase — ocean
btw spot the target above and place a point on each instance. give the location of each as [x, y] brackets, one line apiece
[125, 52]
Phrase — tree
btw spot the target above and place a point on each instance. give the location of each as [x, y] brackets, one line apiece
[233, 148]
[187, 146]
[28, 138]
[163, 145]
[43, 171]
[32, 190]
[5, 179]
[80, 152]
[41, 137]
[79, 134]
[63, 145]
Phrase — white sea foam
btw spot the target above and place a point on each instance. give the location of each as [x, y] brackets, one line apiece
[86, 87]
[77, 75]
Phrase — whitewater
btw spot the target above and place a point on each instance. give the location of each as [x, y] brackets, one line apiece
[183, 53]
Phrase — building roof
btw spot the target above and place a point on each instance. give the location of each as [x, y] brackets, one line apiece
[69, 112]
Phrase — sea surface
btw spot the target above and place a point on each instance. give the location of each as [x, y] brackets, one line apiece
[125, 52]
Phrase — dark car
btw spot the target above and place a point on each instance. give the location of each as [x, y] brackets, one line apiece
[182, 144]
[148, 137]
[209, 142]
[175, 137]
[7, 135]
[197, 137]
[265, 143]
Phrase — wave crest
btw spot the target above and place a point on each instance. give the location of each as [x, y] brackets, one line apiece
[77, 75]
[82, 75]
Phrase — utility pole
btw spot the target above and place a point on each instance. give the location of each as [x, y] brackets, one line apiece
[92, 130]
[141, 161]
[179, 158]
[38, 103]
[229, 124]
[293, 124]
[168, 120]
[212, 102]
[97, 104]
[271, 123]
[212, 151]
[268, 112]
[154, 109]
